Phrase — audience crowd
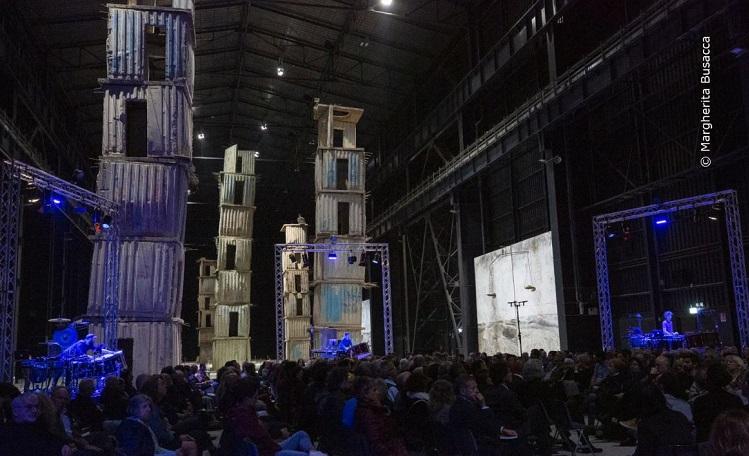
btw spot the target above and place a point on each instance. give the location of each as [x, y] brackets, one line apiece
[661, 403]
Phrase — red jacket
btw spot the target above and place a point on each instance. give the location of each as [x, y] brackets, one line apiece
[244, 423]
[379, 428]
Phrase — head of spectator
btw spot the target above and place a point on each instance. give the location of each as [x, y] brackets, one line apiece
[26, 408]
[669, 384]
[8, 392]
[155, 388]
[500, 373]
[730, 433]
[248, 369]
[366, 390]
[689, 362]
[86, 388]
[417, 383]
[734, 365]
[467, 388]
[662, 364]
[140, 406]
[535, 354]
[635, 367]
[441, 394]
[60, 398]
[717, 377]
[337, 379]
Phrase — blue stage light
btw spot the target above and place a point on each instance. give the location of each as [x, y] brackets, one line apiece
[332, 256]
[56, 200]
[661, 221]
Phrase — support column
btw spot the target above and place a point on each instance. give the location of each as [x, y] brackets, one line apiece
[10, 230]
[467, 311]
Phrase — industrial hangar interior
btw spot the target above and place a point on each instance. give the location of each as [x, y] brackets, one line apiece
[206, 181]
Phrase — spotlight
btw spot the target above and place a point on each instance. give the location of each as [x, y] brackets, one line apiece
[386, 3]
[376, 258]
[257, 154]
[56, 200]
[693, 311]
[279, 71]
[201, 135]
[34, 200]
[305, 260]
[714, 218]
[363, 259]
[661, 220]
[611, 235]
[351, 258]
[460, 330]
[263, 126]
[332, 256]
[106, 222]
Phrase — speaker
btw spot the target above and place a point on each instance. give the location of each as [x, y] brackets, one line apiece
[126, 345]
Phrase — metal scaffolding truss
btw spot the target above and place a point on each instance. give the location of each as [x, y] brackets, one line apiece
[381, 248]
[434, 257]
[735, 252]
[12, 173]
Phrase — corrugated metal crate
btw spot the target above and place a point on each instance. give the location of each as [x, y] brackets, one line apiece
[297, 327]
[155, 344]
[295, 234]
[247, 160]
[206, 287]
[290, 305]
[337, 305]
[233, 287]
[229, 349]
[152, 196]
[229, 181]
[151, 275]
[326, 214]
[126, 43]
[339, 269]
[236, 221]
[290, 279]
[221, 314]
[326, 168]
[243, 256]
[297, 349]
[169, 119]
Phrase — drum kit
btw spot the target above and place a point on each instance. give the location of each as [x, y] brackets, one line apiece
[656, 340]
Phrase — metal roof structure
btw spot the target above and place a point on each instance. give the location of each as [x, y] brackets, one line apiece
[348, 52]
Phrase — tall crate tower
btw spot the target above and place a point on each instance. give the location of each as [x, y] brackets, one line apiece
[145, 163]
[296, 298]
[231, 339]
[206, 306]
[339, 220]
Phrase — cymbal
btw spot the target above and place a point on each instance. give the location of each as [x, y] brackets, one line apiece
[49, 342]
[59, 320]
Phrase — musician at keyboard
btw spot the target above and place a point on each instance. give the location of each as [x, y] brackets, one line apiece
[668, 324]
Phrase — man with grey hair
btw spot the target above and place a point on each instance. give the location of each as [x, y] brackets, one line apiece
[24, 436]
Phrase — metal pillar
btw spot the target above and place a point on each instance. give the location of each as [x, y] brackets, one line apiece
[465, 300]
[735, 251]
[404, 248]
[280, 351]
[111, 288]
[10, 222]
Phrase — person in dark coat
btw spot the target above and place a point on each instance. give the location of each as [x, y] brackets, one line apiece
[659, 427]
[135, 438]
[243, 425]
[83, 409]
[25, 435]
[717, 400]
[372, 420]
[477, 431]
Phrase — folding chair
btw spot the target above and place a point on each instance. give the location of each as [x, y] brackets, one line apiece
[564, 423]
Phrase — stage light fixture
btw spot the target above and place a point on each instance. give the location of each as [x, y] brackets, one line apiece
[56, 200]
[363, 259]
[201, 136]
[257, 154]
[661, 220]
[386, 3]
[332, 256]
[34, 200]
[263, 126]
[693, 311]
[351, 258]
[106, 222]
[376, 258]
[279, 71]
[714, 218]
[460, 330]
[305, 260]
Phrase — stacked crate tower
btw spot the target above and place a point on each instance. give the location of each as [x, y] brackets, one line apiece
[339, 220]
[296, 299]
[206, 305]
[231, 338]
[145, 166]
